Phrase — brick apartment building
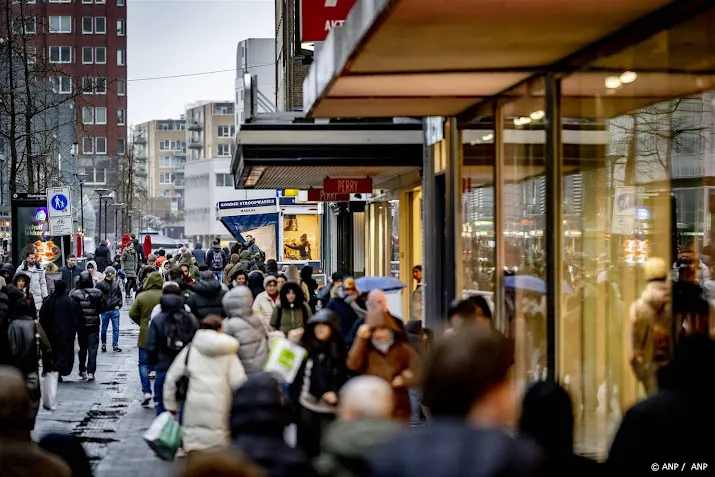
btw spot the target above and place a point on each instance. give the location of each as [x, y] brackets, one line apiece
[292, 61]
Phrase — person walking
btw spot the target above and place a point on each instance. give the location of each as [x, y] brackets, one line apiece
[207, 296]
[199, 254]
[140, 314]
[245, 325]
[216, 260]
[112, 292]
[91, 305]
[97, 277]
[265, 303]
[58, 317]
[37, 286]
[292, 312]
[130, 265]
[103, 256]
[70, 272]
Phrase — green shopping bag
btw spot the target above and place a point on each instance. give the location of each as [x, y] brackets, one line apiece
[164, 436]
[285, 359]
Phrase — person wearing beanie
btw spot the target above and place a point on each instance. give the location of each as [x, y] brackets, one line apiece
[271, 267]
[267, 300]
[651, 325]
[235, 258]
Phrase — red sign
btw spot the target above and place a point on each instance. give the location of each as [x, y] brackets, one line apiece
[319, 195]
[319, 17]
[347, 186]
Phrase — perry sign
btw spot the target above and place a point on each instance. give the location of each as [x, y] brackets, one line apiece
[319, 17]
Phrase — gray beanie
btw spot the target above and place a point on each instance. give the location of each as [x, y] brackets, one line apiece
[110, 271]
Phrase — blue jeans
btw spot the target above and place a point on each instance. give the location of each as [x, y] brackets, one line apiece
[219, 276]
[415, 405]
[144, 371]
[159, 392]
[114, 317]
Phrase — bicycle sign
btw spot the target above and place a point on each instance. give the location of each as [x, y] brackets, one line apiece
[60, 226]
[58, 202]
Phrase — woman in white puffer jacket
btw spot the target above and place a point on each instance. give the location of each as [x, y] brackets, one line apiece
[214, 372]
[267, 300]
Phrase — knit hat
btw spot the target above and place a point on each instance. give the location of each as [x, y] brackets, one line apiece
[292, 274]
[271, 267]
[269, 279]
[110, 271]
[235, 258]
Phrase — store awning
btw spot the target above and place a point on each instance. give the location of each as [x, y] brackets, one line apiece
[300, 155]
[425, 58]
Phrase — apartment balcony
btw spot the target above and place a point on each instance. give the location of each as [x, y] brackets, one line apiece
[140, 140]
[140, 172]
[179, 184]
[195, 144]
[140, 156]
[195, 126]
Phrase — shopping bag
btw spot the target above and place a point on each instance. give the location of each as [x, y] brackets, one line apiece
[164, 436]
[48, 388]
[284, 359]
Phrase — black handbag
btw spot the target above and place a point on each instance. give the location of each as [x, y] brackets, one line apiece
[182, 384]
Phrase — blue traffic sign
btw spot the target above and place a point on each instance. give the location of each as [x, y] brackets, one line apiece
[59, 202]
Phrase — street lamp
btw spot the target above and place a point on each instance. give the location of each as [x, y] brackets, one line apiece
[117, 206]
[100, 192]
[80, 177]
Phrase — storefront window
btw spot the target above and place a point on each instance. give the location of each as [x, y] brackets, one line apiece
[301, 237]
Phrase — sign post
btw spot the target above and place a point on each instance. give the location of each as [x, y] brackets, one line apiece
[58, 202]
[347, 186]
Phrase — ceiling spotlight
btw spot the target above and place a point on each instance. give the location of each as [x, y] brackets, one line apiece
[628, 77]
[517, 121]
[536, 115]
[488, 137]
[613, 82]
[525, 120]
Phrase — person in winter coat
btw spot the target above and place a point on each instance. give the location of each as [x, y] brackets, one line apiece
[150, 267]
[112, 292]
[207, 296]
[364, 422]
[97, 277]
[19, 456]
[27, 338]
[271, 267]
[37, 285]
[171, 319]
[216, 260]
[227, 269]
[381, 349]
[255, 282]
[259, 416]
[141, 314]
[130, 265]
[69, 448]
[4, 323]
[246, 326]
[215, 372]
[292, 274]
[91, 305]
[58, 317]
[199, 254]
[349, 305]
[292, 313]
[187, 272]
[169, 288]
[103, 256]
[70, 272]
[239, 277]
[21, 285]
[314, 390]
[141, 258]
[265, 303]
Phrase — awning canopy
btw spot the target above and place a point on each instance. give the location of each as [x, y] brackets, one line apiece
[300, 155]
[425, 58]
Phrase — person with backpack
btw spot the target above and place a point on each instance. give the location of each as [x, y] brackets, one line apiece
[91, 305]
[292, 312]
[216, 260]
[169, 332]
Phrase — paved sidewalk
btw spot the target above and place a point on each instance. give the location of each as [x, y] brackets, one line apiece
[106, 414]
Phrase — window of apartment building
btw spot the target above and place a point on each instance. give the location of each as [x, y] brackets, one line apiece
[225, 110]
[60, 24]
[224, 180]
[121, 87]
[100, 145]
[121, 117]
[60, 1]
[27, 2]
[120, 3]
[164, 145]
[88, 145]
[95, 175]
[121, 145]
[87, 25]
[100, 85]
[181, 126]
[62, 84]
[120, 27]
[88, 85]
[100, 115]
[100, 25]
[87, 115]
[60, 54]
[224, 150]
[31, 55]
[166, 178]
[226, 131]
[121, 58]
[87, 55]
[100, 55]
[102, 2]
[28, 26]
[165, 161]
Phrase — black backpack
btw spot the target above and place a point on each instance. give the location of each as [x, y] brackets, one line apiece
[179, 328]
[217, 261]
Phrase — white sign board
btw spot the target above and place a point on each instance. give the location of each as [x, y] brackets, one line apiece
[625, 207]
[58, 202]
[60, 226]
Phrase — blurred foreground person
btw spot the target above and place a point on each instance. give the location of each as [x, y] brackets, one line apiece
[58, 317]
[470, 394]
[364, 422]
[91, 304]
[69, 449]
[221, 464]
[671, 425]
[547, 418]
[259, 416]
[19, 456]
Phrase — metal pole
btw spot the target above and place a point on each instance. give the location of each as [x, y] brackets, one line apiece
[501, 322]
[453, 203]
[106, 229]
[116, 218]
[81, 210]
[552, 157]
[99, 235]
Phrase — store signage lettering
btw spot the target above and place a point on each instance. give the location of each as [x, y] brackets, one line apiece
[319, 195]
[347, 186]
[244, 204]
[319, 17]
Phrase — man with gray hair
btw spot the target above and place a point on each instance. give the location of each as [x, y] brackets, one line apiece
[364, 410]
[19, 457]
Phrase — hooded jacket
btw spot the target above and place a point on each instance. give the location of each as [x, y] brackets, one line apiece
[130, 262]
[207, 296]
[199, 254]
[215, 372]
[216, 249]
[159, 353]
[97, 276]
[90, 300]
[145, 303]
[246, 326]
[58, 318]
[24, 345]
[290, 316]
[112, 292]
[37, 286]
[103, 256]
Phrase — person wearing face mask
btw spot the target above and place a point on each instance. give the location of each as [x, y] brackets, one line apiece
[381, 349]
[266, 302]
[292, 312]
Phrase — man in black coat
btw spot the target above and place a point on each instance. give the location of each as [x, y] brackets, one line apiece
[58, 317]
[102, 256]
[70, 272]
[207, 296]
[91, 303]
[112, 291]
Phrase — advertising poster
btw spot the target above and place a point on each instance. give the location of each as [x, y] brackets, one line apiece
[33, 236]
[258, 218]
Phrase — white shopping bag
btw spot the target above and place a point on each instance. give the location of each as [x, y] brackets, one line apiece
[48, 388]
[285, 359]
[164, 436]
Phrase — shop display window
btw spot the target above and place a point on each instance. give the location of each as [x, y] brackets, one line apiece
[301, 237]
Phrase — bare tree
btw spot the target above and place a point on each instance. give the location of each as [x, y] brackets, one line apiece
[132, 187]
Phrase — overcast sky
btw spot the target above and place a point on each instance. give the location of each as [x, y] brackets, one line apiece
[179, 37]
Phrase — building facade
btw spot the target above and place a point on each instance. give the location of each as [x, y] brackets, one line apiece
[256, 57]
[292, 62]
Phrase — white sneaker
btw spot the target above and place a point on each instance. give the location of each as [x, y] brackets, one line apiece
[147, 400]
[90, 377]
[83, 375]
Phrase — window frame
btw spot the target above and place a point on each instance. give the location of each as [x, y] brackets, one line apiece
[121, 82]
[96, 145]
[59, 54]
[96, 27]
[121, 57]
[100, 48]
[100, 80]
[87, 110]
[84, 30]
[121, 27]
[96, 115]
[121, 121]
[87, 80]
[24, 31]
[89, 49]
[123, 148]
[56, 82]
[88, 140]
[60, 31]
[219, 147]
